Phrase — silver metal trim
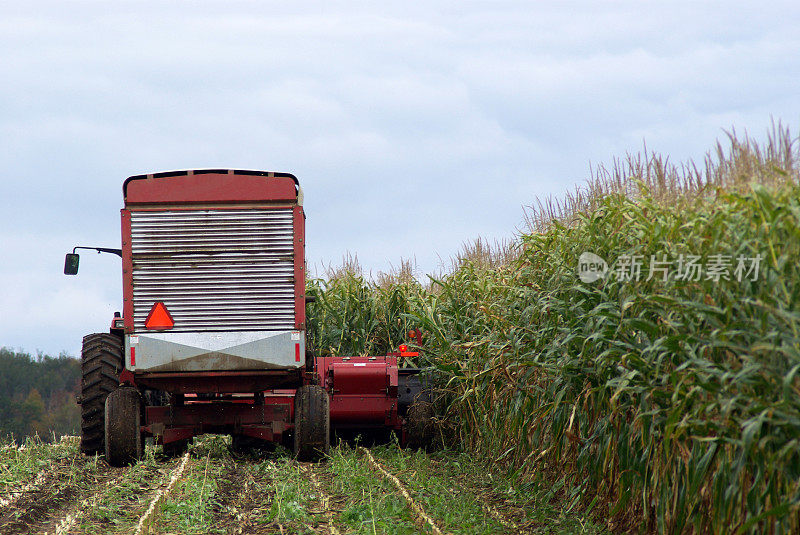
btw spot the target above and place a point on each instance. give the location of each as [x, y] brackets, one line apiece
[204, 351]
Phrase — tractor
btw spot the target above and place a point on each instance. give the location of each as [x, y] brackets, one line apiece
[212, 333]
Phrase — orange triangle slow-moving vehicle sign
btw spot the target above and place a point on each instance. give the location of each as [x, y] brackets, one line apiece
[159, 318]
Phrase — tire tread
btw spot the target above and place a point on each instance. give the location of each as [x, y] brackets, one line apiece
[101, 363]
[312, 423]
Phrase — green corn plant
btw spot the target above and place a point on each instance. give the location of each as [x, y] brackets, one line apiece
[675, 402]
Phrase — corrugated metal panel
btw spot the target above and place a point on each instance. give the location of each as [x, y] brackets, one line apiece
[215, 270]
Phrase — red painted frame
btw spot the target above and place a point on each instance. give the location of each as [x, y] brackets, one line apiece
[127, 271]
[194, 187]
[299, 225]
[363, 395]
[223, 382]
[268, 420]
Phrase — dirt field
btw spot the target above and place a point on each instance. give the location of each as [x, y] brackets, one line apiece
[52, 488]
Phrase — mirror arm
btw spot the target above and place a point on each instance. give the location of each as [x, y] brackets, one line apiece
[99, 250]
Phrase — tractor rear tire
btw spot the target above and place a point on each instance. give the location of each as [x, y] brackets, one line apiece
[419, 424]
[124, 441]
[101, 364]
[312, 423]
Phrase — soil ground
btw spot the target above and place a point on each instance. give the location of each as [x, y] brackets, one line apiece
[55, 489]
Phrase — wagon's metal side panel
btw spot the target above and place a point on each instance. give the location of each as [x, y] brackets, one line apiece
[227, 271]
[215, 270]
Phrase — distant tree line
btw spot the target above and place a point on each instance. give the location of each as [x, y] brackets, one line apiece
[38, 395]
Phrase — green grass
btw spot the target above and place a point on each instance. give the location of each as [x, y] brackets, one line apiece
[293, 496]
[120, 505]
[457, 489]
[373, 505]
[212, 491]
[21, 463]
[189, 508]
[453, 488]
[268, 491]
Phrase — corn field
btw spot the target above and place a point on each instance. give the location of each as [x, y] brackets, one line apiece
[674, 402]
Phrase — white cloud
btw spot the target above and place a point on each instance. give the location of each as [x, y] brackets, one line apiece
[413, 127]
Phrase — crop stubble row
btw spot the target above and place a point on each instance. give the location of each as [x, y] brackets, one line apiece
[74, 495]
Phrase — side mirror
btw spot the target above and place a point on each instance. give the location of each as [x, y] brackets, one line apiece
[71, 262]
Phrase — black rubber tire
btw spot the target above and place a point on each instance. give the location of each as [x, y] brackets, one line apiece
[419, 424]
[101, 364]
[124, 441]
[312, 423]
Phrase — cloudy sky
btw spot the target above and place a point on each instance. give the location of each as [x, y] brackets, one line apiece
[412, 129]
